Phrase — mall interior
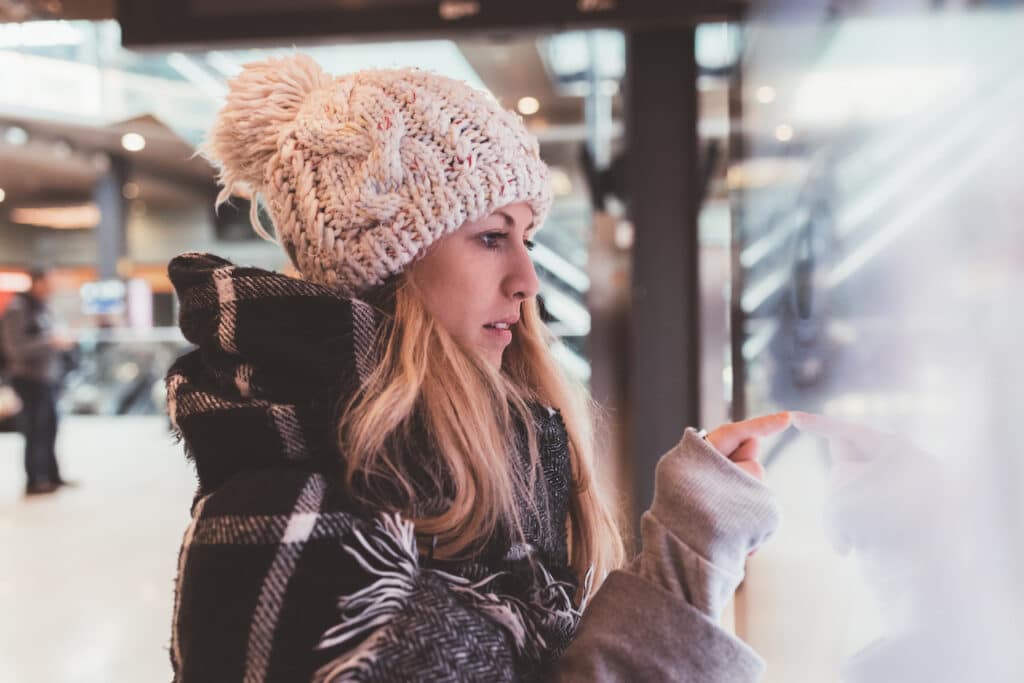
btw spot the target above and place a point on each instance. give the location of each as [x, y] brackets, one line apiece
[804, 205]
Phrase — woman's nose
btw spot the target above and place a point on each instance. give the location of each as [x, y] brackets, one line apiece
[522, 282]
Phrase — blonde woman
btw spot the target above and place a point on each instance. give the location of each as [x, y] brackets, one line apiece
[396, 481]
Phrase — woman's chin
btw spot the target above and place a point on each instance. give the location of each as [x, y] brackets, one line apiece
[493, 358]
[493, 345]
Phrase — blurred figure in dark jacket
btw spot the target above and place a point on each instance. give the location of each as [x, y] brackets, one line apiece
[31, 345]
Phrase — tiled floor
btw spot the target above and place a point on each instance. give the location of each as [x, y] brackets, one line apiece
[86, 574]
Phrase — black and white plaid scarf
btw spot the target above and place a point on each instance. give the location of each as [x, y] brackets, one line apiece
[281, 577]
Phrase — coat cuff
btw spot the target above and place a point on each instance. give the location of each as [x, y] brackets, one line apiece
[715, 508]
[635, 630]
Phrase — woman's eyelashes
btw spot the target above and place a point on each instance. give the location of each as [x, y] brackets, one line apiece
[494, 240]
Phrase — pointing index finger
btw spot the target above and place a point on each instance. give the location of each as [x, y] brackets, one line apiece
[728, 438]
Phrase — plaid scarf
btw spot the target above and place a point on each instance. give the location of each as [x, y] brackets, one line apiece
[281, 576]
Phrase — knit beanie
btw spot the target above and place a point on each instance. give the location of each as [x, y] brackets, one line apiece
[361, 173]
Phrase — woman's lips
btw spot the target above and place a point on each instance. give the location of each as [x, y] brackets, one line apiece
[497, 334]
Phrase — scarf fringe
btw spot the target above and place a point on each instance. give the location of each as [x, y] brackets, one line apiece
[388, 552]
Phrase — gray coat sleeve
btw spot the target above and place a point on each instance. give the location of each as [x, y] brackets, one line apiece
[635, 630]
[657, 619]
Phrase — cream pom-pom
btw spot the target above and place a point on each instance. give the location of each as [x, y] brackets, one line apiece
[264, 98]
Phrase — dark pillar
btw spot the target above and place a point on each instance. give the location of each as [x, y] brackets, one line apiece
[663, 201]
[110, 233]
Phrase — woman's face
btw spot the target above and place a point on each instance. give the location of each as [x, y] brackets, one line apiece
[474, 280]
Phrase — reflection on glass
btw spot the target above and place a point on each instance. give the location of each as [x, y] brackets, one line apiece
[880, 248]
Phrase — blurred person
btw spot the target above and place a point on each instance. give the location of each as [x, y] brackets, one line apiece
[396, 480]
[31, 345]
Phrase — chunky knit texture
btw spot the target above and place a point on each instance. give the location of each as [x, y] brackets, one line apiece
[361, 173]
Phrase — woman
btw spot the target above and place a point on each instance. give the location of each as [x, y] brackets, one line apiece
[395, 479]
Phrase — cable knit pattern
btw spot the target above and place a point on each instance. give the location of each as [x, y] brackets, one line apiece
[361, 173]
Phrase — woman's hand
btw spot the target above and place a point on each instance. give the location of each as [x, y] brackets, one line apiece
[738, 440]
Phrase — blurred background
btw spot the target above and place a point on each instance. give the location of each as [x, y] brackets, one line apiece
[796, 204]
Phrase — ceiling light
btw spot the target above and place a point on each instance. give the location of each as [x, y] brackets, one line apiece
[561, 184]
[783, 132]
[572, 55]
[38, 33]
[3, 195]
[14, 282]
[15, 135]
[717, 46]
[133, 142]
[528, 106]
[766, 94]
[453, 10]
[61, 217]
[624, 235]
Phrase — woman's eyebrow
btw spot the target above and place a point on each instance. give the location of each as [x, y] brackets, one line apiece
[511, 223]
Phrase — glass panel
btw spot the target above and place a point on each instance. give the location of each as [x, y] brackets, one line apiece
[879, 247]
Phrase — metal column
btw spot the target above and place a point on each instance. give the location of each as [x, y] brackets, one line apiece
[737, 317]
[663, 196]
[110, 233]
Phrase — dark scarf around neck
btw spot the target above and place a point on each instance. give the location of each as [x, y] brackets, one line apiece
[276, 356]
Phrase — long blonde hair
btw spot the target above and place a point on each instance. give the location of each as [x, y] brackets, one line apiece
[425, 384]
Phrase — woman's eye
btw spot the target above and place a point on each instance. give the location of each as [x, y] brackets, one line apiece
[492, 240]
